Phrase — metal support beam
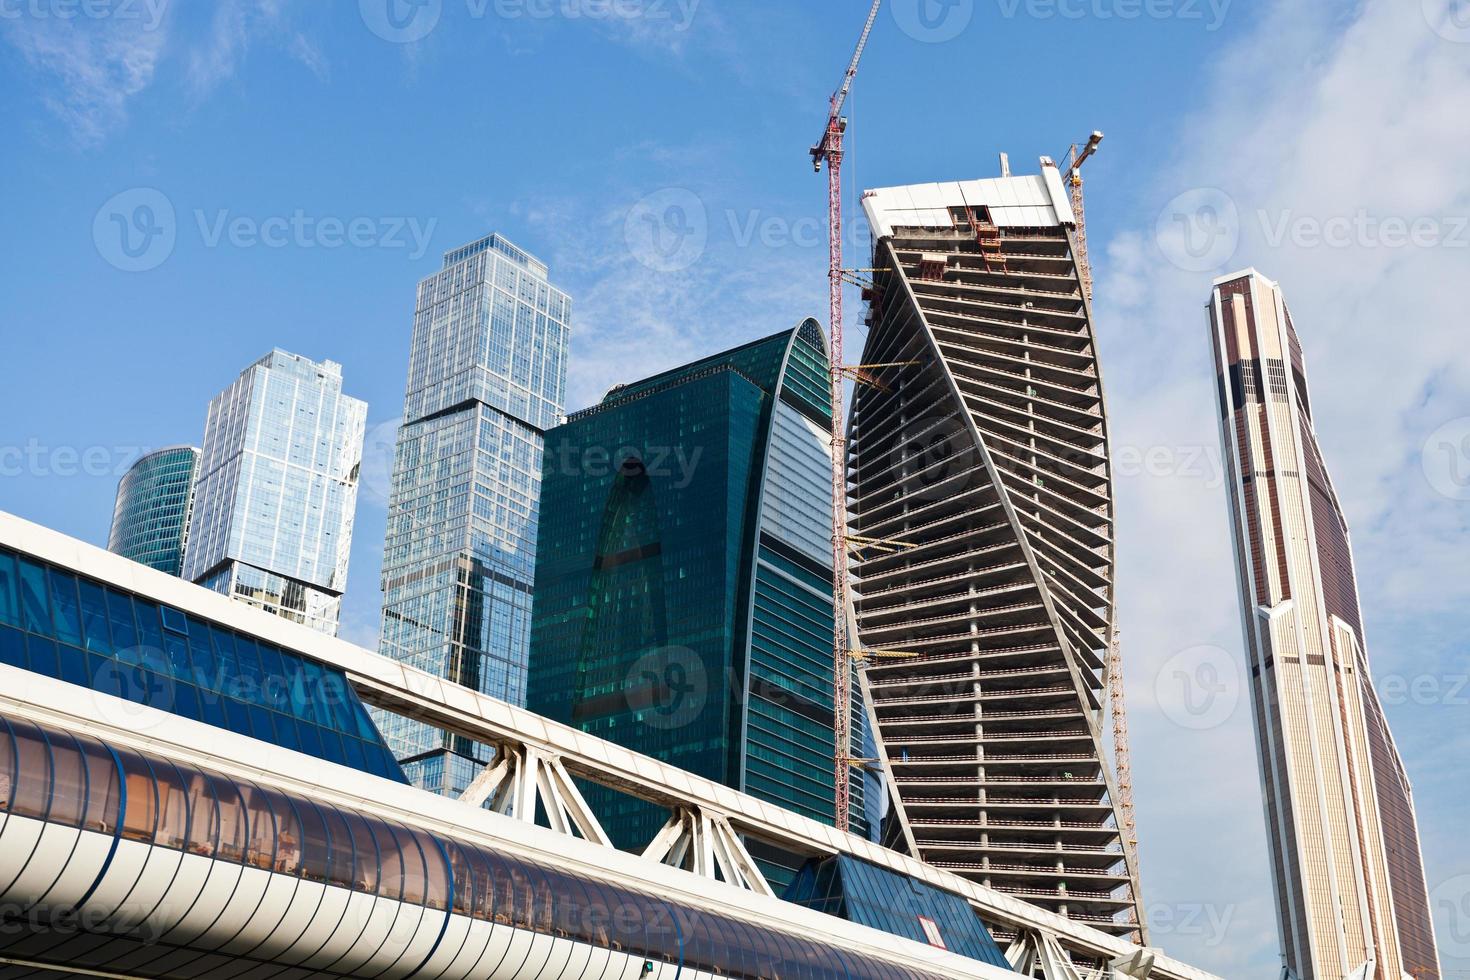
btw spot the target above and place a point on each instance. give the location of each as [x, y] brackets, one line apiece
[519, 777]
[705, 843]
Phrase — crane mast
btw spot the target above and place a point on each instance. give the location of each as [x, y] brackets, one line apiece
[1122, 761]
[829, 149]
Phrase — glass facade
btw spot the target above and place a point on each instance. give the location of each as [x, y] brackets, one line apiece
[78, 781]
[155, 501]
[106, 639]
[486, 378]
[864, 893]
[683, 586]
[277, 490]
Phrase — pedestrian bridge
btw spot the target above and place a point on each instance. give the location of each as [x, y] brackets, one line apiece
[145, 834]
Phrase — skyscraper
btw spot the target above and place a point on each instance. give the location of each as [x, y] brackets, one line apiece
[486, 379]
[978, 453]
[684, 579]
[1344, 840]
[277, 490]
[155, 500]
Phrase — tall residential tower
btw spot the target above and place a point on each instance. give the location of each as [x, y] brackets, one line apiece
[978, 456]
[155, 501]
[277, 490]
[486, 379]
[1344, 840]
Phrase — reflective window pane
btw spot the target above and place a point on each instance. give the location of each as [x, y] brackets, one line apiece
[66, 609]
[9, 604]
[95, 633]
[35, 604]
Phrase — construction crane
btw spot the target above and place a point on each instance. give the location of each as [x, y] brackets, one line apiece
[1117, 706]
[1075, 161]
[828, 149]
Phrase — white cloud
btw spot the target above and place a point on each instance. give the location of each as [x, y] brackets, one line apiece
[94, 68]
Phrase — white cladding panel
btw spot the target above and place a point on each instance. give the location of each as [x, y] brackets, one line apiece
[1033, 201]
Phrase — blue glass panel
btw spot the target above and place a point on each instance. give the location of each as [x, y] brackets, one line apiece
[9, 605]
[260, 723]
[150, 635]
[212, 709]
[35, 607]
[201, 654]
[332, 746]
[132, 682]
[74, 668]
[251, 686]
[176, 650]
[66, 611]
[42, 656]
[175, 620]
[276, 690]
[94, 618]
[286, 734]
[224, 658]
[124, 630]
[105, 676]
[311, 739]
[237, 719]
[13, 648]
[186, 700]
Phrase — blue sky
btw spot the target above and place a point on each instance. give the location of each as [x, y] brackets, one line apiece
[304, 164]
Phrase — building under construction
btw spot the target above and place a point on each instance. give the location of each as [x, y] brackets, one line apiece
[979, 476]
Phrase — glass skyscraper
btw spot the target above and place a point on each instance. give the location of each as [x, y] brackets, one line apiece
[155, 500]
[486, 379]
[684, 581]
[277, 489]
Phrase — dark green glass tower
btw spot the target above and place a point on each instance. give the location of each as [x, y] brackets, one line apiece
[684, 576]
